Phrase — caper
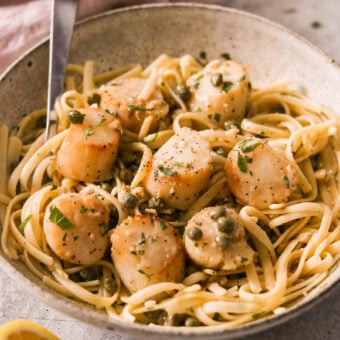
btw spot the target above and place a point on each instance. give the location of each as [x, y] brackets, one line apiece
[156, 203]
[222, 240]
[216, 79]
[94, 99]
[76, 117]
[183, 92]
[129, 200]
[153, 314]
[194, 233]
[225, 224]
[89, 274]
[110, 285]
[170, 214]
[190, 269]
[220, 151]
[106, 186]
[177, 319]
[217, 212]
[231, 124]
[191, 322]
[128, 157]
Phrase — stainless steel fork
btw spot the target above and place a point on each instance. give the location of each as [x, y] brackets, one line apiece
[63, 14]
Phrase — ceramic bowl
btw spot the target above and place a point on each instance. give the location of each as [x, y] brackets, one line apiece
[139, 34]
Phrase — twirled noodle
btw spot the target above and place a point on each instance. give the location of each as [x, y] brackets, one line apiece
[296, 242]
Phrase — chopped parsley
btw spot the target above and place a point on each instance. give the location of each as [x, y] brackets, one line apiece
[287, 182]
[227, 85]
[167, 171]
[148, 275]
[23, 224]
[217, 117]
[248, 148]
[258, 315]
[139, 108]
[111, 113]
[142, 239]
[83, 210]
[241, 162]
[89, 131]
[57, 217]
[102, 121]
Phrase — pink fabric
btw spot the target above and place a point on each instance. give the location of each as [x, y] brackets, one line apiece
[24, 23]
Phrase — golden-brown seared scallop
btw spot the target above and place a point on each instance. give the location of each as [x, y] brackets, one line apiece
[124, 99]
[180, 169]
[89, 149]
[76, 228]
[147, 250]
[215, 238]
[219, 92]
[257, 175]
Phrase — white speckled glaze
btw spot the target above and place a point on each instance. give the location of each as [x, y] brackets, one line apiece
[141, 33]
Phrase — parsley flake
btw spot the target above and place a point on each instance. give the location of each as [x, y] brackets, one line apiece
[241, 162]
[57, 217]
[139, 108]
[167, 171]
[24, 223]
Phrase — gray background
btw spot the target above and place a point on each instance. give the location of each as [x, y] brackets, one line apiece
[323, 320]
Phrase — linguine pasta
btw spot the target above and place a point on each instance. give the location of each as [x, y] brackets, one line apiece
[295, 242]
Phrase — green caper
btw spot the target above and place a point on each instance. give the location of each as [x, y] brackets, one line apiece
[76, 117]
[194, 233]
[110, 285]
[129, 200]
[220, 151]
[94, 99]
[216, 79]
[183, 92]
[89, 274]
[106, 186]
[128, 157]
[222, 240]
[231, 124]
[156, 203]
[191, 322]
[217, 212]
[154, 316]
[190, 269]
[225, 224]
[177, 319]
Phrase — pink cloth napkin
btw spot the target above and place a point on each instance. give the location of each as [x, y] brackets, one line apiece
[24, 23]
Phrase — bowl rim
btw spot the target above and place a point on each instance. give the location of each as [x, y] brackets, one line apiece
[75, 309]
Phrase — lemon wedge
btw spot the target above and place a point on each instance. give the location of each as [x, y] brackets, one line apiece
[25, 330]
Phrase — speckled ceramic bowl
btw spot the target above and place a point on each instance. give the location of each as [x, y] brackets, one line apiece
[136, 34]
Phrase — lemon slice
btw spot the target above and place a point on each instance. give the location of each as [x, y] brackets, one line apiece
[25, 330]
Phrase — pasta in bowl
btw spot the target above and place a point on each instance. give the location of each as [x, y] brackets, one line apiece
[177, 194]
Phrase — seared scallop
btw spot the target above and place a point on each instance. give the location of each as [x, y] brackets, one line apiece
[123, 99]
[215, 238]
[258, 175]
[147, 250]
[76, 228]
[180, 169]
[219, 92]
[90, 147]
